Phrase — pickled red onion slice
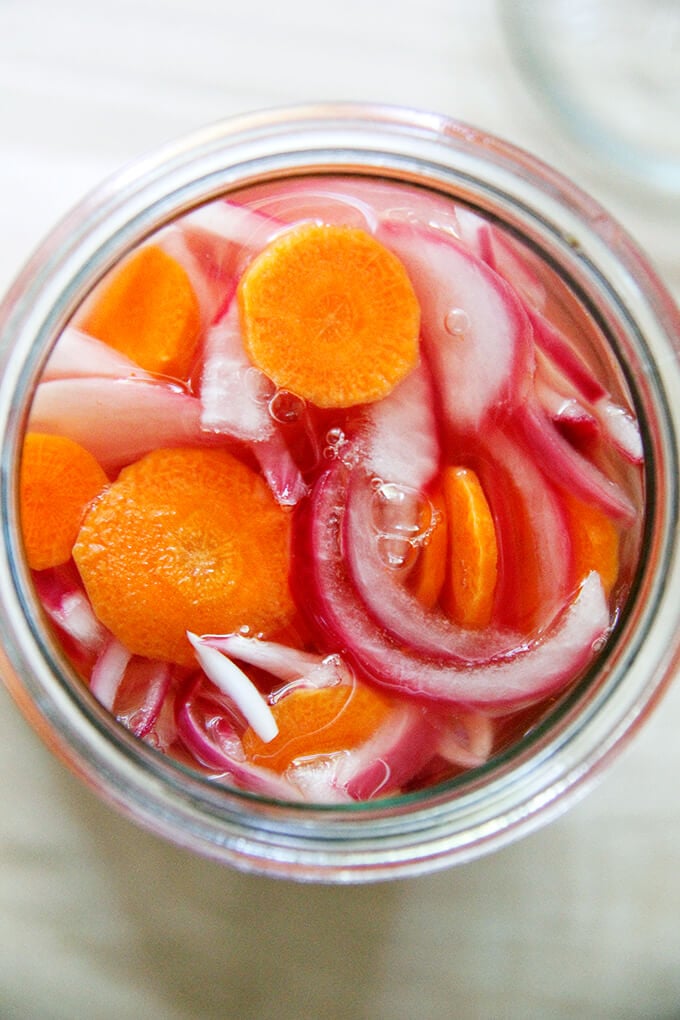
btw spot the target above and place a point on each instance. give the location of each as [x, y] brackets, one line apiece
[78, 354]
[108, 672]
[498, 251]
[235, 223]
[206, 729]
[391, 758]
[279, 660]
[237, 685]
[476, 335]
[465, 739]
[565, 358]
[519, 677]
[568, 467]
[132, 687]
[517, 489]
[280, 471]
[67, 605]
[392, 606]
[230, 388]
[401, 442]
[117, 420]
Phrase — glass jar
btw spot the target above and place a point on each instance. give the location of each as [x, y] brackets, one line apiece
[609, 73]
[539, 776]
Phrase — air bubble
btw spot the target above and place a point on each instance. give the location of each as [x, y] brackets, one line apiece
[335, 437]
[457, 322]
[336, 443]
[258, 386]
[396, 553]
[400, 511]
[286, 408]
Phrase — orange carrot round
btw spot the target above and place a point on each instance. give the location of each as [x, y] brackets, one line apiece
[58, 481]
[318, 722]
[185, 539]
[468, 594]
[147, 309]
[429, 573]
[595, 542]
[329, 313]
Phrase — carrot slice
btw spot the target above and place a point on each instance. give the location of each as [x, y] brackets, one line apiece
[318, 722]
[468, 594]
[329, 313]
[58, 481]
[185, 539]
[595, 542]
[147, 309]
[429, 573]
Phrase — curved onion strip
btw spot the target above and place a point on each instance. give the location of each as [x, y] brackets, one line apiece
[276, 659]
[117, 420]
[517, 489]
[392, 606]
[69, 608]
[394, 755]
[354, 201]
[492, 358]
[205, 728]
[530, 672]
[229, 384]
[465, 739]
[499, 252]
[233, 682]
[79, 354]
[565, 358]
[235, 223]
[205, 725]
[108, 672]
[142, 693]
[568, 467]
[402, 444]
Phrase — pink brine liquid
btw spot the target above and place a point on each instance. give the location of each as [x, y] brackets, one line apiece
[449, 558]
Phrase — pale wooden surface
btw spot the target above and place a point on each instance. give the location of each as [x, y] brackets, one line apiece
[98, 919]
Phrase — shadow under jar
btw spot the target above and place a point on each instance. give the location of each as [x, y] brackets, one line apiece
[540, 390]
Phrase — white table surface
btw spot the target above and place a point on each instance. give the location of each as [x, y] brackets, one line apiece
[97, 918]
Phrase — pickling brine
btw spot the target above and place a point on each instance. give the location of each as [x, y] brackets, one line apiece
[331, 490]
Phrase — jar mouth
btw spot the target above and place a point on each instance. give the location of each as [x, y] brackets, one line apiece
[542, 771]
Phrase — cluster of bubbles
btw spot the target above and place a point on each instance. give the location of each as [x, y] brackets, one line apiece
[284, 406]
[338, 447]
[403, 521]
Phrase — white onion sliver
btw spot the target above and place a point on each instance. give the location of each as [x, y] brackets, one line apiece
[622, 430]
[402, 445]
[117, 420]
[77, 354]
[471, 747]
[280, 471]
[76, 617]
[277, 659]
[233, 682]
[108, 672]
[228, 391]
[237, 223]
